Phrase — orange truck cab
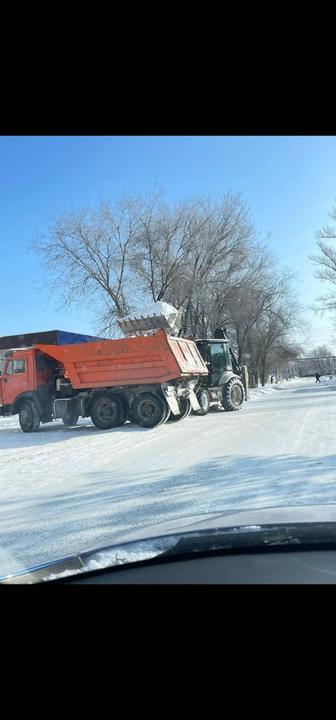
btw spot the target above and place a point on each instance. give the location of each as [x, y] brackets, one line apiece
[147, 379]
[25, 376]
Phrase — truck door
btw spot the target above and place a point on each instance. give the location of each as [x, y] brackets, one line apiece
[14, 380]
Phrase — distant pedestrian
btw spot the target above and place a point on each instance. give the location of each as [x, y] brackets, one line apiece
[317, 377]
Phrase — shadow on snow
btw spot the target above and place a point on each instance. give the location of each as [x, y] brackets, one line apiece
[109, 506]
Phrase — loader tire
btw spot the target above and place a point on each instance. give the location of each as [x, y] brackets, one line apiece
[233, 394]
[29, 416]
[149, 410]
[106, 411]
[185, 407]
[70, 419]
[203, 398]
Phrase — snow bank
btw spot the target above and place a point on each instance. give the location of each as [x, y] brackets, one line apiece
[269, 388]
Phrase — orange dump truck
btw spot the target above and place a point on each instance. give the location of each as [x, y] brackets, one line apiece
[147, 379]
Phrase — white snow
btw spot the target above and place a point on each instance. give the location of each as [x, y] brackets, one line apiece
[141, 550]
[68, 490]
[157, 308]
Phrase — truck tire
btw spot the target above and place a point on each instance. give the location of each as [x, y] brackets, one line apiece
[233, 394]
[149, 410]
[185, 407]
[203, 398]
[106, 411]
[70, 419]
[29, 416]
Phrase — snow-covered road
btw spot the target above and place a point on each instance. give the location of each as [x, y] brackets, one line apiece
[65, 490]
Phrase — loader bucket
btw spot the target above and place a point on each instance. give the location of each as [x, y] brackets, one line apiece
[159, 316]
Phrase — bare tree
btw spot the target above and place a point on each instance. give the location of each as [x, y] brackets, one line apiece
[216, 261]
[269, 340]
[203, 256]
[326, 262]
[191, 255]
[86, 256]
[163, 247]
[323, 359]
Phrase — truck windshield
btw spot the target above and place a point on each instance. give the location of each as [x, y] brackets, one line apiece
[15, 366]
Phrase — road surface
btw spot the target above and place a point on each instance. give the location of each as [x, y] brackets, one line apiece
[67, 490]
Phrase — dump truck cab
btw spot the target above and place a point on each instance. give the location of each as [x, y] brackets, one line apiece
[223, 385]
[18, 377]
[27, 374]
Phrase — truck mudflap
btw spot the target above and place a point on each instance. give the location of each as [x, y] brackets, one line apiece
[193, 400]
[170, 395]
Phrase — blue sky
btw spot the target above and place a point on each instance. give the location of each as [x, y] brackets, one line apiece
[289, 184]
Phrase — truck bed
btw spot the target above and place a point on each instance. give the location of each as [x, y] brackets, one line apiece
[129, 361]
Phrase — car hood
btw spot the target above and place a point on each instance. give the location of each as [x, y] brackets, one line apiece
[239, 518]
[157, 539]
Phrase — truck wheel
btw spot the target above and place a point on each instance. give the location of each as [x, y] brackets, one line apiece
[69, 419]
[233, 394]
[29, 417]
[185, 407]
[106, 412]
[203, 398]
[149, 410]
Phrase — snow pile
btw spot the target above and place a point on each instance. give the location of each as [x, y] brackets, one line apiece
[158, 308]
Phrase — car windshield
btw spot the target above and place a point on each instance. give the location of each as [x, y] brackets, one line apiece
[190, 383]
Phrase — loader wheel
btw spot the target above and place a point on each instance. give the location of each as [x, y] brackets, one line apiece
[203, 398]
[149, 410]
[70, 420]
[185, 407]
[106, 412]
[29, 417]
[233, 394]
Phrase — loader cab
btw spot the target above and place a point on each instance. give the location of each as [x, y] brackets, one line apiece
[218, 358]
